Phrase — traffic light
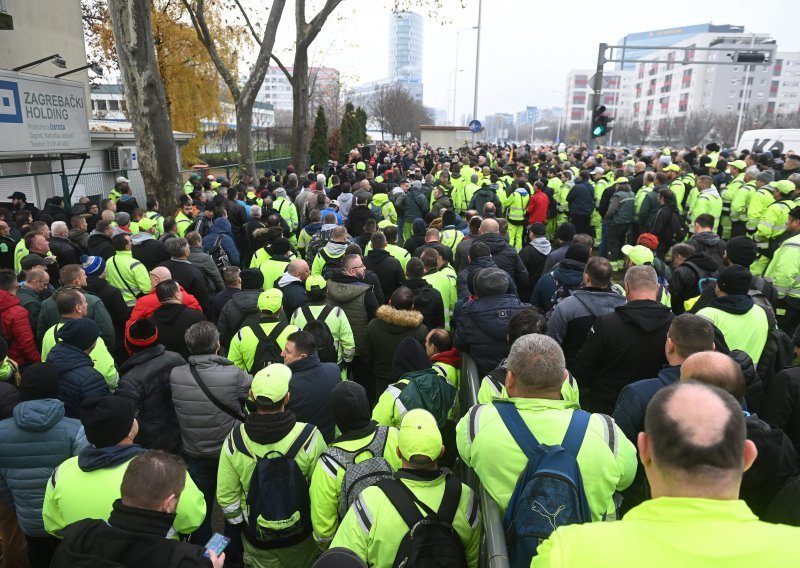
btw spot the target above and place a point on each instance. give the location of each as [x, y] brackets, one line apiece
[600, 122]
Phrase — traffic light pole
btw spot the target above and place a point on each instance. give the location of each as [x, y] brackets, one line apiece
[597, 84]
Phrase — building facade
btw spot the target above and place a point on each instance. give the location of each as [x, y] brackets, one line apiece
[276, 90]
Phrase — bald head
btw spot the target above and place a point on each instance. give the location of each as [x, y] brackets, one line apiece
[159, 274]
[715, 369]
[339, 235]
[694, 442]
[298, 268]
[489, 226]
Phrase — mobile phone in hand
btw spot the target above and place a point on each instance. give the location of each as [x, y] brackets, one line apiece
[217, 543]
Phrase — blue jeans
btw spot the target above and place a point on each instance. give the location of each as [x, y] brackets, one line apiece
[204, 475]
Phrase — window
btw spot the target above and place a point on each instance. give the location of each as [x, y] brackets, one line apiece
[101, 104]
[113, 104]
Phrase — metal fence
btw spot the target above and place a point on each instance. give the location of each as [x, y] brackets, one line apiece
[494, 553]
[231, 171]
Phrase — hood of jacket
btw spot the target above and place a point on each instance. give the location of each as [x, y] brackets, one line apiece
[712, 191]
[97, 234]
[542, 245]
[7, 300]
[91, 458]
[736, 304]
[141, 237]
[221, 226]
[495, 242]
[345, 288]
[380, 199]
[399, 320]
[335, 249]
[246, 300]
[569, 272]
[647, 316]
[449, 357]
[409, 357]
[312, 228]
[38, 415]
[598, 301]
[76, 234]
[707, 239]
[125, 197]
[269, 428]
[419, 227]
[287, 279]
[68, 358]
[377, 256]
[704, 260]
[142, 357]
[481, 262]
[345, 198]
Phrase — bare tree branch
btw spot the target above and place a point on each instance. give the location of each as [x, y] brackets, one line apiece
[247, 21]
[283, 68]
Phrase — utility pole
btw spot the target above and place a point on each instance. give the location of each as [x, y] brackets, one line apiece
[745, 94]
[456, 71]
[477, 68]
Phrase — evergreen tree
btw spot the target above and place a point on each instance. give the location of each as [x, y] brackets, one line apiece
[361, 115]
[350, 128]
[319, 142]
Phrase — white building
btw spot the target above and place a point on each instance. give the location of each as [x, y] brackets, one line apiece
[276, 90]
[578, 95]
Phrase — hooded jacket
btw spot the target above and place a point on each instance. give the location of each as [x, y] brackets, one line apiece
[482, 329]
[388, 270]
[356, 219]
[148, 250]
[172, 321]
[240, 311]
[31, 300]
[199, 258]
[384, 334]
[416, 203]
[310, 389]
[80, 238]
[144, 378]
[222, 227]
[358, 302]
[465, 277]
[320, 238]
[427, 301]
[294, 292]
[17, 332]
[568, 272]
[711, 243]
[506, 257]
[623, 346]
[581, 199]
[100, 245]
[32, 444]
[685, 280]
[533, 256]
[203, 426]
[77, 377]
[417, 238]
[345, 205]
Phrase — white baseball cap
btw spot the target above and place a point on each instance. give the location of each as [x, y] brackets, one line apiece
[121, 179]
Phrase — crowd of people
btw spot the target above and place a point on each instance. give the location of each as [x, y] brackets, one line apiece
[279, 360]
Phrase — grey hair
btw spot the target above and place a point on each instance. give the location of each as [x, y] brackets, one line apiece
[642, 277]
[202, 338]
[59, 229]
[752, 171]
[176, 247]
[795, 179]
[255, 211]
[537, 362]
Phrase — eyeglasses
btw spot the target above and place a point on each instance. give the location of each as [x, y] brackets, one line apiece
[357, 267]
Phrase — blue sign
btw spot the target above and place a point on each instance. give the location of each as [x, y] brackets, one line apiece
[474, 126]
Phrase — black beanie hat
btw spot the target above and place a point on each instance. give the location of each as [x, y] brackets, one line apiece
[735, 280]
[252, 279]
[742, 251]
[350, 406]
[578, 252]
[565, 232]
[107, 420]
[410, 356]
[39, 381]
[448, 218]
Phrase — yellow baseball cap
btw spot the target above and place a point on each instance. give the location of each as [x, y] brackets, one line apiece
[361, 166]
[621, 180]
[419, 440]
[271, 383]
[383, 223]
[270, 300]
[739, 165]
[638, 254]
[672, 168]
[146, 223]
[316, 281]
[784, 186]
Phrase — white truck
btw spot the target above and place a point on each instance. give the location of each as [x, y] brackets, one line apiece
[785, 140]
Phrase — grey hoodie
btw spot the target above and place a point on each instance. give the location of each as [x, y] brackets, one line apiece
[542, 245]
[345, 204]
[581, 304]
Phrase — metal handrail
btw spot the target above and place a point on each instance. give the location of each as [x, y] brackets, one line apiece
[494, 553]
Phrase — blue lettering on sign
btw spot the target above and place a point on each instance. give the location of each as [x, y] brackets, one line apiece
[10, 107]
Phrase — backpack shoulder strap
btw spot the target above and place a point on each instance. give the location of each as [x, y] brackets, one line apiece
[378, 444]
[575, 432]
[238, 441]
[516, 426]
[217, 242]
[402, 499]
[305, 434]
[306, 311]
[276, 331]
[326, 311]
[258, 331]
[450, 500]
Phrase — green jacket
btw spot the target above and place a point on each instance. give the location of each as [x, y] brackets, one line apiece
[451, 237]
[326, 482]
[128, 275]
[184, 223]
[287, 211]
[73, 494]
[759, 201]
[490, 390]
[747, 331]
[740, 202]
[385, 207]
[729, 193]
[102, 360]
[621, 208]
[674, 531]
[245, 343]
[338, 325]
[607, 459]
[679, 190]
[444, 281]
[772, 223]
[373, 528]
[273, 268]
[159, 219]
[709, 202]
[49, 316]
[784, 270]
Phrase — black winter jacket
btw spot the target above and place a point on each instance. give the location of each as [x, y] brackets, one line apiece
[506, 258]
[581, 199]
[112, 300]
[711, 243]
[190, 277]
[144, 378]
[387, 268]
[685, 280]
[294, 293]
[427, 301]
[100, 245]
[310, 389]
[623, 346]
[172, 321]
[65, 251]
[148, 250]
[238, 312]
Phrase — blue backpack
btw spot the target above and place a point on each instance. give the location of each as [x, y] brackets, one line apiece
[549, 492]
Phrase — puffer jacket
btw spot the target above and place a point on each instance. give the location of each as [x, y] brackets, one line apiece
[463, 280]
[384, 334]
[240, 311]
[144, 378]
[206, 264]
[358, 302]
[568, 272]
[482, 329]
[17, 332]
[148, 250]
[80, 238]
[78, 379]
[222, 227]
[203, 426]
[506, 257]
[32, 444]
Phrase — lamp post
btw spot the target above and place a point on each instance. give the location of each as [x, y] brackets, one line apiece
[477, 67]
[745, 94]
[456, 71]
[95, 68]
[58, 61]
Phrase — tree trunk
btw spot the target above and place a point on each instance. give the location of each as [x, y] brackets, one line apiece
[147, 100]
[300, 97]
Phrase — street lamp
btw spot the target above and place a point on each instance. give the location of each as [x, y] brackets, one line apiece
[57, 60]
[477, 67]
[745, 93]
[457, 70]
[94, 67]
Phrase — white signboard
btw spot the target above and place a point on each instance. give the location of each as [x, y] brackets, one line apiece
[42, 115]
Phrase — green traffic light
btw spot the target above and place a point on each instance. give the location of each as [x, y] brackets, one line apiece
[599, 130]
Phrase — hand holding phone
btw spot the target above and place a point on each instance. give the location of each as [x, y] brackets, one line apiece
[216, 545]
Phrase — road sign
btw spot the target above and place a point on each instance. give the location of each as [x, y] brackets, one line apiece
[474, 126]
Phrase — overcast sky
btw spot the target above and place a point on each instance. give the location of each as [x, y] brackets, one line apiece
[527, 47]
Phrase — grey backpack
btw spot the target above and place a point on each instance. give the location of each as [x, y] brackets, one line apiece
[359, 476]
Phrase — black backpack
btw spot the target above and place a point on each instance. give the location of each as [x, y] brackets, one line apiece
[326, 348]
[219, 255]
[278, 495]
[268, 350]
[431, 541]
[705, 279]
[331, 263]
[678, 227]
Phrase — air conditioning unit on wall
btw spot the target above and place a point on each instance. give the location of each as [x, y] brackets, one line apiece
[123, 158]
